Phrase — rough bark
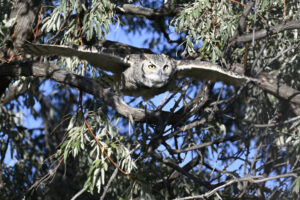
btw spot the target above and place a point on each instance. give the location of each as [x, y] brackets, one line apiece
[85, 84]
[24, 13]
[260, 34]
[93, 87]
[165, 11]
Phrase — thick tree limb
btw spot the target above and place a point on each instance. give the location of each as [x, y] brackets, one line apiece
[24, 13]
[242, 25]
[165, 10]
[271, 85]
[242, 22]
[109, 57]
[113, 100]
[266, 32]
[84, 84]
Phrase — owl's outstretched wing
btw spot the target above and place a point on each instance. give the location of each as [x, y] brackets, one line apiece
[107, 55]
[201, 70]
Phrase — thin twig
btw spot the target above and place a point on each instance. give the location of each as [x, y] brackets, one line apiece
[113, 176]
[206, 144]
[281, 53]
[254, 179]
[254, 158]
[81, 192]
[258, 56]
[277, 124]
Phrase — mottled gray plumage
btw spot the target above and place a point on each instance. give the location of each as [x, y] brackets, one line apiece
[138, 72]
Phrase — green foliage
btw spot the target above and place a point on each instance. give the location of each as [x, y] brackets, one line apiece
[296, 186]
[225, 138]
[76, 22]
[212, 23]
[5, 6]
[79, 141]
[5, 25]
[95, 20]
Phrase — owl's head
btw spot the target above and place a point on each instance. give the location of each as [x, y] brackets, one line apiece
[157, 70]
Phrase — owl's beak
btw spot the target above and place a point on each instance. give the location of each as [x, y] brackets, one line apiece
[160, 73]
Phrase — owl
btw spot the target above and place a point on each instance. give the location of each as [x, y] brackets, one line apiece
[149, 74]
[138, 72]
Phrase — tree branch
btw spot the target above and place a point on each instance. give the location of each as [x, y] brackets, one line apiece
[85, 84]
[277, 124]
[265, 32]
[254, 179]
[270, 84]
[24, 12]
[181, 170]
[165, 10]
[81, 191]
[113, 176]
[13, 92]
[242, 22]
[176, 174]
[206, 144]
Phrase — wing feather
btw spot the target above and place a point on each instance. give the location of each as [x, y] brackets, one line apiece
[200, 70]
[107, 55]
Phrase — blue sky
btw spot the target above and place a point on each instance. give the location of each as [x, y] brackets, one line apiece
[117, 33]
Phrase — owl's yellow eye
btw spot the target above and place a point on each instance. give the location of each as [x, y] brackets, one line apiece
[166, 67]
[151, 66]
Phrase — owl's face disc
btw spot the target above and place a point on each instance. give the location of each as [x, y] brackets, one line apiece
[157, 70]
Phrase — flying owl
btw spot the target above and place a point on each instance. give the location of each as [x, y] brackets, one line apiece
[138, 72]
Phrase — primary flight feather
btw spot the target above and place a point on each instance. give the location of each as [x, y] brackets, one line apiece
[139, 72]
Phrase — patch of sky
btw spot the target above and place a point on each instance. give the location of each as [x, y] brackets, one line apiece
[120, 34]
[26, 120]
[10, 159]
[141, 39]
